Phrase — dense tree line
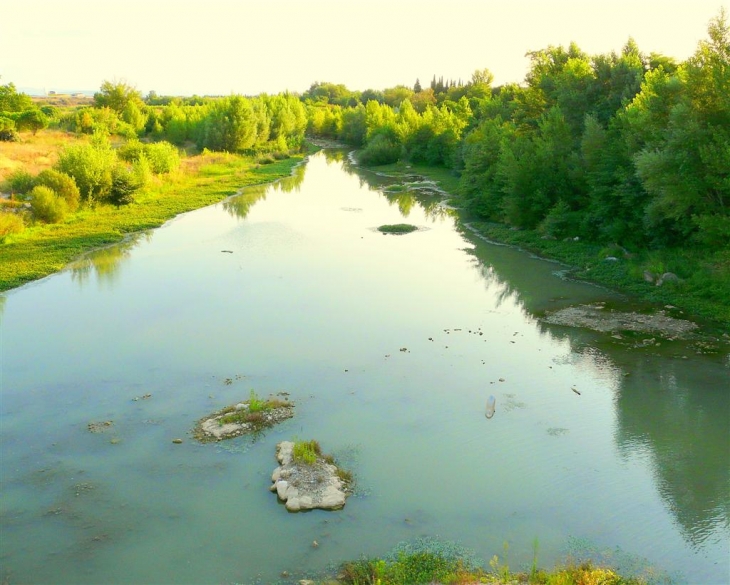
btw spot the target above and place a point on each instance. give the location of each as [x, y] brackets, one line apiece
[625, 147]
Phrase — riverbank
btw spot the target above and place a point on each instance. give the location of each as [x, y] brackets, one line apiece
[430, 560]
[204, 179]
[701, 288]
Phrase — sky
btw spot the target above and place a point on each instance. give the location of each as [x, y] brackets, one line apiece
[219, 47]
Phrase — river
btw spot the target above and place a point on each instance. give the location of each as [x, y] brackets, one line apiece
[390, 346]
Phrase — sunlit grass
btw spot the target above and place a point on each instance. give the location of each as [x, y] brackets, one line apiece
[41, 250]
[33, 153]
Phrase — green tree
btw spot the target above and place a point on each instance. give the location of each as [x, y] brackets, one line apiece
[32, 120]
[230, 125]
[12, 101]
[116, 95]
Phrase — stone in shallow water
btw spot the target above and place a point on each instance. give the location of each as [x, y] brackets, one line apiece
[305, 487]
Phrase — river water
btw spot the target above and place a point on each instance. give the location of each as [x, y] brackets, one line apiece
[390, 346]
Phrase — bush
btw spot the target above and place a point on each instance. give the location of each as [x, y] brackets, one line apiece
[10, 223]
[46, 205]
[21, 181]
[7, 130]
[163, 157]
[380, 151]
[124, 186]
[91, 167]
[32, 120]
[63, 185]
[142, 170]
[131, 151]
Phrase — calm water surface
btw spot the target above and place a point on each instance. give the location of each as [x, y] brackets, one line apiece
[390, 346]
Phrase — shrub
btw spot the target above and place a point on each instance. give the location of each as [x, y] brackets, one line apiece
[91, 167]
[7, 130]
[123, 186]
[380, 151]
[20, 181]
[163, 157]
[142, 170]
[131, 151]
[63, 185]
[50, 111]
[32, 120]
[10, 223]
[46, 205]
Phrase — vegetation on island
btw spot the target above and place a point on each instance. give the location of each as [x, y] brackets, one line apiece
[397, 228]
[309, 453]
[251, 416]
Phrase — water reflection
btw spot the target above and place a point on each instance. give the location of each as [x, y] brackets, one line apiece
[105, 263]
[240, 205]
[679, 416]
[670, 407]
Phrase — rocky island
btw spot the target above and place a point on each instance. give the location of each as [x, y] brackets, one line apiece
[306, 479]
[247, 417]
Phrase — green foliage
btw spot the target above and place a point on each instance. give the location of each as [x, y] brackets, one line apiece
[255, 404]
[142, 170]
[12, 101]
[91, 166]
[32, 119]
[306, 452]
[381, 150]
[94, 120]
[116, 95]
[124, 185]
[63, 185]
[162, 156]
[10, 223]
[252, 413]
[20, 181]
[425, 560]
[397, 228]
[230, 126]
[7, 129]
[46, 205]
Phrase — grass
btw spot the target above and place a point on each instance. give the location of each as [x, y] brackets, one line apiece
[704, 288]
[306, 452]
[202, 180]
[433, 568]
[254, 413]
[397, 228]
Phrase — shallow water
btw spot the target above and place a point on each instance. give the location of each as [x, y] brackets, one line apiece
[390, 346]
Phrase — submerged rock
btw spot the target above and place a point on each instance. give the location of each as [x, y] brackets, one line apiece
[305, 486]
[598, 319]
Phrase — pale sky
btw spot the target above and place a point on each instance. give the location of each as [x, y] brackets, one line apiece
[214, 47]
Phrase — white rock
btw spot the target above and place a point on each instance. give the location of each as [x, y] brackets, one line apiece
[282, 486]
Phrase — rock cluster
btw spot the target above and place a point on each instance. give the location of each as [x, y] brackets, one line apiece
[303, 486]
[599, 319]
